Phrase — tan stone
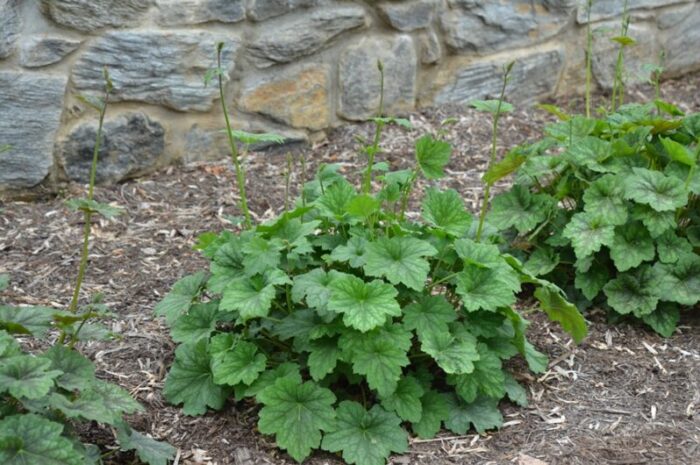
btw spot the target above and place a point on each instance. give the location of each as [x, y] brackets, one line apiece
[299, 99]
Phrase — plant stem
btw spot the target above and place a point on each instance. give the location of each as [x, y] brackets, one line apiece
[287, 177]
[618, 81]
[492, 159]
[407, 193]
[240, 173]
[589, 53]
[378, 126]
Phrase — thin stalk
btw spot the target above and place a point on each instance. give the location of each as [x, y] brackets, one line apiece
[240, 173]
[589, 58]
[492, 159]
[287, 177]
[407, 193]
[618, 81]
[303, 181]
[379, 125]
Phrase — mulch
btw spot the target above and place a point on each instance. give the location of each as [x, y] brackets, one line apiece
[624, 396]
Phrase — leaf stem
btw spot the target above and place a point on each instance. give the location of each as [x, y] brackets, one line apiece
[373, 149]
[589, 53]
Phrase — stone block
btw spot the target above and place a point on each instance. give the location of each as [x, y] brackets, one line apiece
[190, 12]
[360, 79]
[162, 68]
[44, 51]
[260, 10]
[31, 105]
[132, 144]
[681, 45]
[408, 15]
[533, 77]
[91, 15]
[605, 9]
[484, 27]
[282, 41]
[430, 48]
[299, 98]
[10, 25]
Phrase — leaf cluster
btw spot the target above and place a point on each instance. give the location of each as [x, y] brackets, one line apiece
[353, 326]
[609, 210]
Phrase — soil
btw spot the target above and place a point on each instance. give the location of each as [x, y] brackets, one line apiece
[624, 396]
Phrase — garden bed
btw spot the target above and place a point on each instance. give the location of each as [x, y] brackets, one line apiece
[624, 396]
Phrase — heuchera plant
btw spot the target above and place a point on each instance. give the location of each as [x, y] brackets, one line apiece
[608, 209]
[352, 325]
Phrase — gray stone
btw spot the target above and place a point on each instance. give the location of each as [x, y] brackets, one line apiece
[604, 9]
[163, 68]
[90, 15]
[132, 145]
[481, 27]
[605, 52]
[43, 51]
[31, 105]
[260, 10]
[188, 12]
[532, 77]
[430, 48]
[360, 79]
[682, 51]
[10, 24]
[203, 144]
[408, 15]
[672, 16]
[282, 41]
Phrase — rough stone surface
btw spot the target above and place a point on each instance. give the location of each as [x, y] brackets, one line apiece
[282, 41]
[132, 144]
[189, 12]
[43, 51]
[408, 15]
[682, 51]
[360, 79]
[31, 107]
[430, 48]
[605, 51]
[163, 68]
[203, 144]
[482, 27]
[90, 15]
[299, 99]
[532, 77]
[672, 16]
[605, 9]
[260, 10]
[10, 25]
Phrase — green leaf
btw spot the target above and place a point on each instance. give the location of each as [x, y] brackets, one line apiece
[453, 353]
[486, 288]
[486, 378]
[4, 281]
[148, 449]
[27, 376]
[679, 152]
[261, 255]
[560, 310]
[334, 202]
[29, 439]
[432, 156]
[656, 222]
[520, 209]
[364, 306]
[683, 173]
[480, 255]
[591, 282]
[115, 400]
[78, 371]
[353, 252]
[588, 232]
[401, 260]
[491, 106]
[270, 377]
[679, 282]
[365, 438]
[483, 413]
[671, 247]
[435, 410]
[26, 320]
[249, 138]
[243, 364]
[516, 393]
[197, 324]
[179, 300]
[445, 210]
[252, 297]
[314, 287]
[379, 356]
[363, 206]
[406, 400]
[605, 197]
[589, 152]
[631, 246]
[664, 319]
[633, 292]
[508, 165]
[624, 40]
[323, 357]
[227, 265]
[542, 261]
[659, 191]
[536, 361]
[92, 206]
[296, 414]
[431, 315]
[190, 380]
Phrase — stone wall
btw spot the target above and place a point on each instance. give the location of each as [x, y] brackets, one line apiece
[295, 67]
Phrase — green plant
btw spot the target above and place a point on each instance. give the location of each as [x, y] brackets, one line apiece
[618, 91]
[589, 56]
[44, 394]
[608, 209]
[653, 74]
[348, 322]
